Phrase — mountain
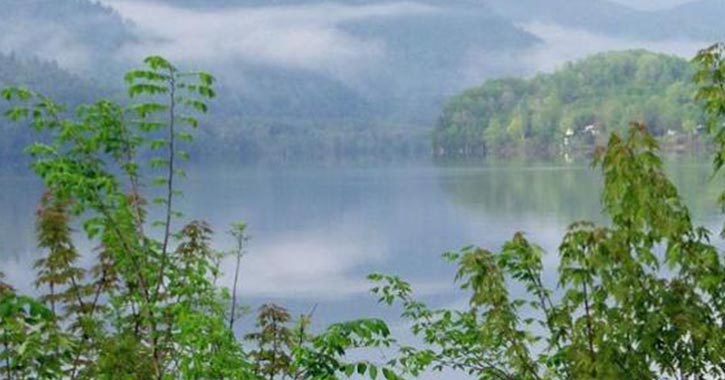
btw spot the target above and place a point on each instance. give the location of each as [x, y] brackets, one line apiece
[422, 52]
[81, 35]
[358, 74]
[398, 60]
[581, 102]
[569, 12]
[702, 18]
[699, 20]
[428, 55]
[48, 79]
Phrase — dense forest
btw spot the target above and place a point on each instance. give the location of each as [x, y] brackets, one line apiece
[571, 108]
[587, 98]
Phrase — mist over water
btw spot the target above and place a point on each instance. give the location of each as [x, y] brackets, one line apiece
[316, 232]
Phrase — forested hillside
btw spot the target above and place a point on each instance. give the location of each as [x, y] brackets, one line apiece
[279, 104]
[411, 56]
[371, 83]
[62, 48]
[81, 35]
[47, 78]
[582, 101]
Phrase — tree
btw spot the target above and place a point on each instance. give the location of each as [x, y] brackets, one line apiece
[641, 297]
[710, 78]
[148, 307]
[238, 233]
[274, 340]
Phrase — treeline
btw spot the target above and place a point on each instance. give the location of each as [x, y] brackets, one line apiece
[351, 107]
[264, 140]
[573, 106]
[244, 137]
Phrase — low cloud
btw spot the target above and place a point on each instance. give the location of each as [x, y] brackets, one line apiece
[46, 40]
[561, 45]
[296, 37]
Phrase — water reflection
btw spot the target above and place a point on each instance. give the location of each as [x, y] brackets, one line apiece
[561, 193]
[316, 232]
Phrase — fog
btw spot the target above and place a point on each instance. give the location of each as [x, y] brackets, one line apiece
[562, 44]
[50, 41]
[295, 37]
[389, 61]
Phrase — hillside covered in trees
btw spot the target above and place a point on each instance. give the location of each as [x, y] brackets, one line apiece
[576, 105]
[371, 83]
[371, 86]
[80, 35]
[48, 78]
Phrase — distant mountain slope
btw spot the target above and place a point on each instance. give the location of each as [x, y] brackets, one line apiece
[79, 34]
[413, 54]
[700, 20]
[265, 3]
[591, 97]
[47, 78]
[581, 12]
[429, 56]
[421, 57]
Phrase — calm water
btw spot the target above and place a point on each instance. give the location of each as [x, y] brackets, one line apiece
[317, 232]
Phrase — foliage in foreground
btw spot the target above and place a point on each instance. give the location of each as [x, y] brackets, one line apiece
[641, 297]
[145, 307]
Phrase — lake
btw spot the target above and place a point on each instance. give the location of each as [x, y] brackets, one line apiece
[316, 232]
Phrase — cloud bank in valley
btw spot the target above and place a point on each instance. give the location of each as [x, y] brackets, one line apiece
[311, 38]
[295, 37]
[49, 41]
[562, 44]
